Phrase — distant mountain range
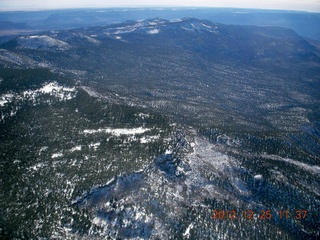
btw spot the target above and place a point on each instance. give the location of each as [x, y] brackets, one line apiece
[214, 40]
[304, 23]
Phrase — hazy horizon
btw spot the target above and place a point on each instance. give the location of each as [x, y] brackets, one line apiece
[22, 5]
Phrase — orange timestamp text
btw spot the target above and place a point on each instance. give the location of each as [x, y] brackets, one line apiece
[260, 215]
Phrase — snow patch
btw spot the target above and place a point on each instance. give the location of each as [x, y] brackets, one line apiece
[50, 87]
[154, 31]
[91, 40]
[204, 25]
[310, 168]
[187, 29]
[53, 89]
[144, 115]
[42, 149]
[153, 23]
[37, 166]
[117, 131]
[76, 148]
[94, 145]
[56, 155]
[42, 42]
[187, 232]
[258, 177]
[148, 139]
[168, 152]
[6, 98]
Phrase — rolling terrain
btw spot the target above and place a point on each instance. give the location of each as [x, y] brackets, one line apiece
[141, 129]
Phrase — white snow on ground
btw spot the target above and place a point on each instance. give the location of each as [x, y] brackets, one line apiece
[148, 139]
[91, 39]
[138, 26]
[187, 232]
[42, 149]
[272, 106]
[143, 115]
[94, 145]
[205, 156]
[6, 98]
[18, 59]
[204, 171]
[42, 42]
[99, 222]
[154, 31]
[205, 25]
[76, 148]
[168, 152]
[187, 29]
[259, 176]
[56, 90]
[49, 88]
[117, 131]
[37, 166]
[56, 155]
[53, 88]
[310, 168]
[124, 31]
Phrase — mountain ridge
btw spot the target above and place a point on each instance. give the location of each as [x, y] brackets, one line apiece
[304, 23]
[230, 41]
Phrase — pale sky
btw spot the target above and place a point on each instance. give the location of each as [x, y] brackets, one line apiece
[303, 5]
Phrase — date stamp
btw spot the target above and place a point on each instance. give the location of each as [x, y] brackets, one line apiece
[261, 215]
